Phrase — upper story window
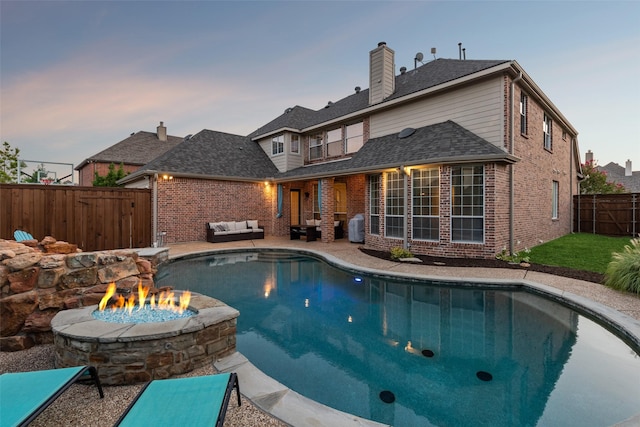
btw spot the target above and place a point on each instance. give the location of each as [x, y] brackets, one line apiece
[277, 145]
[524, 100]
[547, 129]
[315, 147]
[295, 144]
[354, 138]
[334, 142]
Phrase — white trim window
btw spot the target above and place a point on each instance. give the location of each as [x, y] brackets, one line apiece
[555, 199]
[524, 106]
[467, 204]
[295, 144]
[315, 147]
[334, 142]
[395, 205]
[354, 138]
[277, 145]
[547, 129]
[374, 204]
[425, 204]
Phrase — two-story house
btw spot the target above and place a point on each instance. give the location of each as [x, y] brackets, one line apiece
[452, 158]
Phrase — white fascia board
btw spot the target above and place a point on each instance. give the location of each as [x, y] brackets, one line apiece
[384, 105]
[275, 132]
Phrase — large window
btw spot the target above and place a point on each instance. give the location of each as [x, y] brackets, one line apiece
[315, 147]
[334, 142]
[394, 205]
[467, 204]
[547, 129]
[354, 138]
[277, 145]
[295, 144]
[524, 100]
[426, 204]
[555, 194]
[374, 204]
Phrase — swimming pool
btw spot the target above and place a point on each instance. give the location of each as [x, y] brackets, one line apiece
[447, 354]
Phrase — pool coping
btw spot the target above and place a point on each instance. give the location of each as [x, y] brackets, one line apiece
[300, 411]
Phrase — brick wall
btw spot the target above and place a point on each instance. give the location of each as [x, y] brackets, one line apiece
[185, 205]
[86, 174]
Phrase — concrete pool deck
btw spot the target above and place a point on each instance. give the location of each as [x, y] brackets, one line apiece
[607, 304]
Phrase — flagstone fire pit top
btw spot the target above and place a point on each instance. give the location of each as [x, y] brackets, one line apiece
[128, 353]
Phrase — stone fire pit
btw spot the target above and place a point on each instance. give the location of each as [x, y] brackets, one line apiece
[129, 353]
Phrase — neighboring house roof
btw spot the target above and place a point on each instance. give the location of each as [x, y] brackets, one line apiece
[446, 142]
[138, 149]
[616, 173]
[431, 74]
[215, 155]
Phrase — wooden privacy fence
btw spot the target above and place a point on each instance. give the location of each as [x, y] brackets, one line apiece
[94, 218]
[609, 214]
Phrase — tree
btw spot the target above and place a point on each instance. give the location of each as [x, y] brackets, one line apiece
[110, 179]
[595, 181]
[8, 163]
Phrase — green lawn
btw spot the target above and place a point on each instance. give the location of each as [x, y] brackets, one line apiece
[582, 251]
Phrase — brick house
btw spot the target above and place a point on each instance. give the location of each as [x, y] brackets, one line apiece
[132, 152]
[453, 158]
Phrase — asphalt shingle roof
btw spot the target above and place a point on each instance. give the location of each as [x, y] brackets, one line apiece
[216, 154]
[426, 76]
[616, 173]
[137, 149]
[439, 143]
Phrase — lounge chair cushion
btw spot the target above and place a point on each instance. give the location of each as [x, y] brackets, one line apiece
[193, 401]
[26, 394]
[252, 223]
[241, 225]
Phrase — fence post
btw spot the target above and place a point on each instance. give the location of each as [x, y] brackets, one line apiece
[593, 213]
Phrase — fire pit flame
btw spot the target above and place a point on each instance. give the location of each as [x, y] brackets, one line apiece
[166, 300]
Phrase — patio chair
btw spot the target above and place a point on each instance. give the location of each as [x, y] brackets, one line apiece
[21, 236]
[24, 395]
[194, 401]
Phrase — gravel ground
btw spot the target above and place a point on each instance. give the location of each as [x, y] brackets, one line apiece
[81, 405]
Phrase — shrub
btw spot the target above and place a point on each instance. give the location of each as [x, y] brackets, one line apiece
[623, 272]
[398, 252]
[522, 256]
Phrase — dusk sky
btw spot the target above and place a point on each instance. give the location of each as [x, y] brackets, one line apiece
[77, 77]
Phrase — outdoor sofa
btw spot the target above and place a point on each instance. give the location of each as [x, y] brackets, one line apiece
[230, 231]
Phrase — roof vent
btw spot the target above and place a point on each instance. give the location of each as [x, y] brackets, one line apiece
[406, 132]
[329, 104]
[358, 89]
[403, 70]
[288, 110]
[188, 137]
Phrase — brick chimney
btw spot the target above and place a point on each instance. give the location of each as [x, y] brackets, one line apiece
[627, 168]
[588, 157]
[382, 79]
[161, 132]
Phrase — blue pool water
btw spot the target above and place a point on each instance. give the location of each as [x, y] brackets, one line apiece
[448, 354]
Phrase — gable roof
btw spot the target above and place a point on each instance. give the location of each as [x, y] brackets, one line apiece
[616, 173]
[137, 149]
[429, 75]
[212, 154]
[445, 142]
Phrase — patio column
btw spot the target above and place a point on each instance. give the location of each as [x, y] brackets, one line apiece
[327, 210]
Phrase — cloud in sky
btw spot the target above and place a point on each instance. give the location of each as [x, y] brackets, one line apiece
[78, 77]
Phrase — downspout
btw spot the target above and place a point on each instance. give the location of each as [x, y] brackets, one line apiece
[571, 150]
[154, 207]
[511, 166]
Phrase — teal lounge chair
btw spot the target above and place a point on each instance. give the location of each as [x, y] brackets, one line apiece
[192, 401]
[21, 236]
[24, 395]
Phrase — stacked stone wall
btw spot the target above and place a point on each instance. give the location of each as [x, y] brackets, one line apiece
[39, 279]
